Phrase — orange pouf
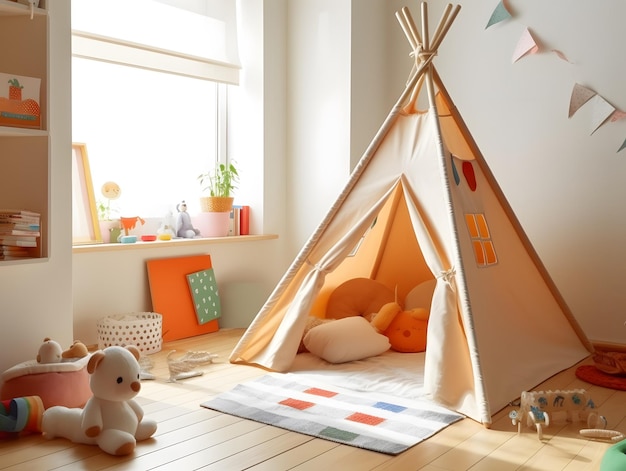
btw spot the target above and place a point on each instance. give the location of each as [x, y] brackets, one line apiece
[57, 384]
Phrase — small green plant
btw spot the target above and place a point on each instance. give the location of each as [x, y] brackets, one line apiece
[105, 210]
[221, 181]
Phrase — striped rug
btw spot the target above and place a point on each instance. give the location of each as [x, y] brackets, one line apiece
[384, 424]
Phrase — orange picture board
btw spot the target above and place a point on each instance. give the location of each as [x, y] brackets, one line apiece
[172, 299]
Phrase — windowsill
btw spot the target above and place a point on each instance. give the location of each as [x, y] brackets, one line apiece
[170, 243]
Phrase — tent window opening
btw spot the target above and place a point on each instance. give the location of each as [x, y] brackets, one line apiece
[484, 250]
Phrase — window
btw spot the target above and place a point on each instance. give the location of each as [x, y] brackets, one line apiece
[484, 250]
[149, 102]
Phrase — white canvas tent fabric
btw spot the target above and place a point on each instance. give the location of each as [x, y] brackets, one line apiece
[498, 325]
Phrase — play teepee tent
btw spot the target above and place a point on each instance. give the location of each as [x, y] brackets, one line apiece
[421, 205]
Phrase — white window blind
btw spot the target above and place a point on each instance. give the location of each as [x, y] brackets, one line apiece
[194, 38]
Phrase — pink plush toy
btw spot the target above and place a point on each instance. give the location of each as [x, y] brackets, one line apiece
[111, 419]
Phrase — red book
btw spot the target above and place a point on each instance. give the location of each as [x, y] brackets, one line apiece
[244, 222]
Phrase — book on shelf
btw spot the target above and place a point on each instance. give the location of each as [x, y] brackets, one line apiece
[21, 226]
[19, 212]
[17, 219]
[18, 232]
[18, 241]
[16, 253]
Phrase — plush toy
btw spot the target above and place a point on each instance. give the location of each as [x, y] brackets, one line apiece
[111, 419]
[184, 227]
[387, 313]
[407, 331]
[49, 352]
[77, 350]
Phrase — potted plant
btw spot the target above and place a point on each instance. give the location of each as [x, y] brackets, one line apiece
[109, 225]
[220, 184]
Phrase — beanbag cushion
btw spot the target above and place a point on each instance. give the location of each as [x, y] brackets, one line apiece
[347, 339]
[358, 297]
[57, 384]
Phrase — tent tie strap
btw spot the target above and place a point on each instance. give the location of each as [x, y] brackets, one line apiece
[421, 55]
[447, 275]
[317, 267]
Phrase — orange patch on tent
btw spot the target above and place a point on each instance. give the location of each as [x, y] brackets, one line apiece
[490, 253]
[478, 252]
[472, 227]
[470, 177]
[483, 229]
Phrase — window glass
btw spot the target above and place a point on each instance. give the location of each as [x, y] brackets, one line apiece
[152, 133]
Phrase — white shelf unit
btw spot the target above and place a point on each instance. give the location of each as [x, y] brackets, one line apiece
[25, 153]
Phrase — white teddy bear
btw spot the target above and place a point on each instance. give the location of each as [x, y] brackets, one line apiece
[111, 419]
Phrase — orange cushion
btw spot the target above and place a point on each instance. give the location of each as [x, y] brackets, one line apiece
[407, 331]
[358, 297]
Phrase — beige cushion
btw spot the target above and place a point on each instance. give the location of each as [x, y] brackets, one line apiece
[358, 297]
[420, 296]
[347, 339]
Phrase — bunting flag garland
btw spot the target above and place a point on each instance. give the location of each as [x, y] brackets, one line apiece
[580, 96]
[561, 55]
[617, 115]
[526, 45]
[601, 111]
[499, 14]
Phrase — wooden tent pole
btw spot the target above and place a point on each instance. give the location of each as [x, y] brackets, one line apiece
[407, 23]
[444, 31]
[442, 21]
[425, 41]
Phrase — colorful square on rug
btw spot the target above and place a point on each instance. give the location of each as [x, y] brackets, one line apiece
[388, 425]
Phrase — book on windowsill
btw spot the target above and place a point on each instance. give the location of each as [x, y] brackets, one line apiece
[233, 223]
[239, 220]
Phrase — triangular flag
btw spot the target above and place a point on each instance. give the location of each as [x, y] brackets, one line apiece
[617, 115]
[623, 146]
[580, 96]
[561, 55]
[601, 110]
[525, 45]
[498, 15]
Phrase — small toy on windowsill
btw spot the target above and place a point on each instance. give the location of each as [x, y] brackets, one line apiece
[184, 227]
[185, 366]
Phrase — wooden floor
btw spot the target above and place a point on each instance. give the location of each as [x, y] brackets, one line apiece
[192, 437]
